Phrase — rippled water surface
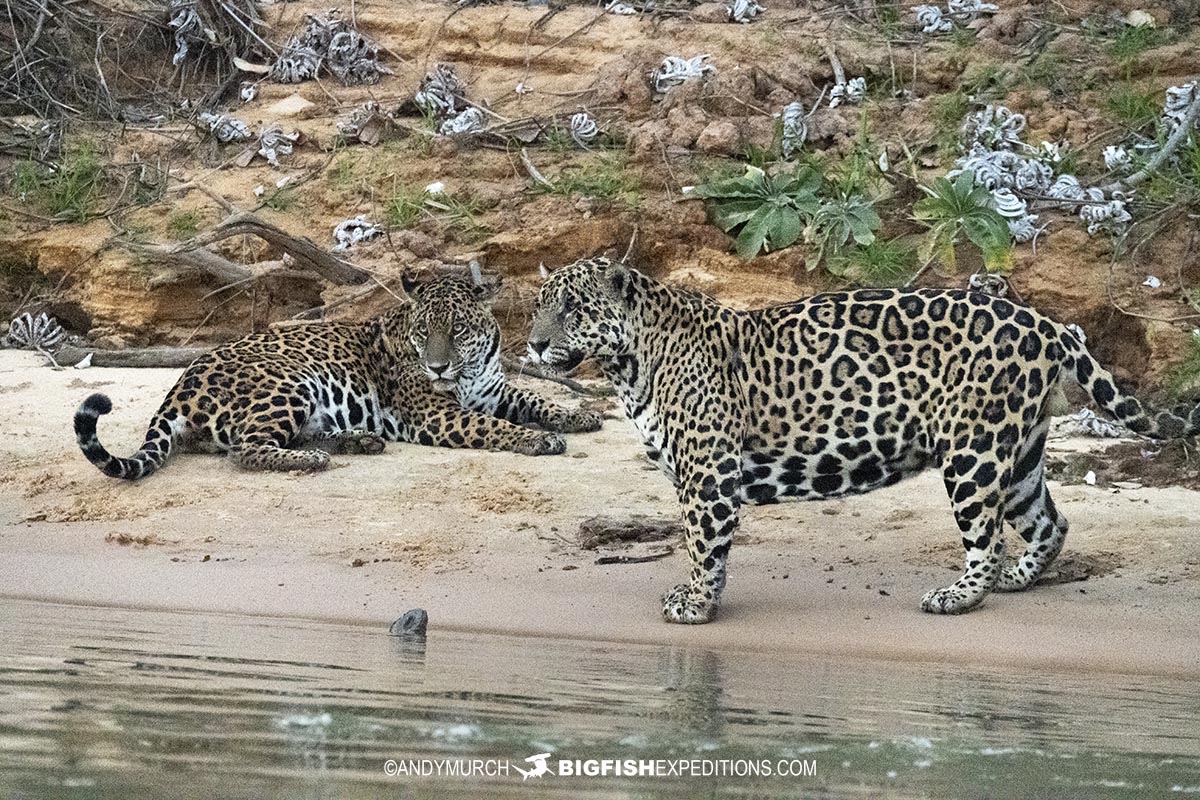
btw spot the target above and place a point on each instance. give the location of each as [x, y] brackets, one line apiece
[137, 704]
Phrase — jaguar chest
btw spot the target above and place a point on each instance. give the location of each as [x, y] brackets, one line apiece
[658, 449]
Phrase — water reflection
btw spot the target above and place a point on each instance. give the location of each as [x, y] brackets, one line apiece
[105, 703]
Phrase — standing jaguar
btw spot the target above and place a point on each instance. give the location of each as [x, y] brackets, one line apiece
[427, 372]
[834, 395]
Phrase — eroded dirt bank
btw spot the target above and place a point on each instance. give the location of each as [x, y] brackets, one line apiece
[1062, 65]
[487, 541]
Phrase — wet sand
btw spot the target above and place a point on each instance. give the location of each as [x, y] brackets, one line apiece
[487, 542]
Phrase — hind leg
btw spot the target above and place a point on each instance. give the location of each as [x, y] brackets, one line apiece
[262, 443]
[263, 452]
[1032, 513]
[975, 483]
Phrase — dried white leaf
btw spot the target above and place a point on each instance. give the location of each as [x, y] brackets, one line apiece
[931, 20]
[795, 129]
[224, 128]
[675, 70]
[27, 332]
[1116, 157]
[583, 129]
[470, 121]
[351, 232]
[439, 92]
[743, 10]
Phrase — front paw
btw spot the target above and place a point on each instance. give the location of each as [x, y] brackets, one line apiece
[682, 606]
[542, 443]
[950, 600]
[580, 421]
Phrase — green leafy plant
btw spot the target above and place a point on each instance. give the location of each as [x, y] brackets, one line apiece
[1133, 40]
[770, 212]
[281, 200]
[344, 173]
[73, 188]
[606, 179]
[404, 207]
[26, 179]
[455, 212]
[836, 222]
[986, 81]
[948, 111]
[960, 208]
[67, 190]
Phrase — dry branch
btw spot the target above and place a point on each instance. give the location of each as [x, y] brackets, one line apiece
[516, 367]
[193, 258]
[303, 250]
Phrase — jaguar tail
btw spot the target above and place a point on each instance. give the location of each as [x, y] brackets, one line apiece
[1098, 382]
[160, 439]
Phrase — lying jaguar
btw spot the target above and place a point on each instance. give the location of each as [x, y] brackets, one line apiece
[833, 395]
[427, 372]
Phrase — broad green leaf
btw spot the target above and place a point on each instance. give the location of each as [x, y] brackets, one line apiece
[728, 214]
[754, 233]
[785, 230]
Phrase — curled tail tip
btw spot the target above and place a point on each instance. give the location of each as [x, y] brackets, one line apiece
[96, 405]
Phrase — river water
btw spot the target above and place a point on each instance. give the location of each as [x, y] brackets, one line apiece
[117, 703]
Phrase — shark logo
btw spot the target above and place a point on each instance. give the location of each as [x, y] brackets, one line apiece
[539, 768]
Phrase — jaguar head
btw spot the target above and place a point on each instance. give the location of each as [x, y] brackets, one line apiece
[453, 330]
[581, 312]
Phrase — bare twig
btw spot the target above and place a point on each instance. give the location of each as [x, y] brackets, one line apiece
[523, 368]
[537, 176]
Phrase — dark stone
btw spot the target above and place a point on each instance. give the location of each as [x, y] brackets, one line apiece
[411, 624]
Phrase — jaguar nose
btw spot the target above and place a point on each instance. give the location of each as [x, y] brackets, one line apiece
[538, 346]
[439, 369]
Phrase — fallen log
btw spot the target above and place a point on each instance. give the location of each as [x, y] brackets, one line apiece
[515, 367]
[70, 355]
[193, 258]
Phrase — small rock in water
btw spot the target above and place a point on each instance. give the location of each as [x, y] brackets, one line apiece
[411, 624]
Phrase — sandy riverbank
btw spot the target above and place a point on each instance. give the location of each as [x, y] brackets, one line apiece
[485, 541]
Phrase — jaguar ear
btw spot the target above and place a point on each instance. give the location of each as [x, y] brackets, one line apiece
[486, 292]
[412, 287]
[545, 273]
[616, 280]
[483, 290]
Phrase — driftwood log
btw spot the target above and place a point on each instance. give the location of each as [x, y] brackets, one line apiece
[70, 355]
